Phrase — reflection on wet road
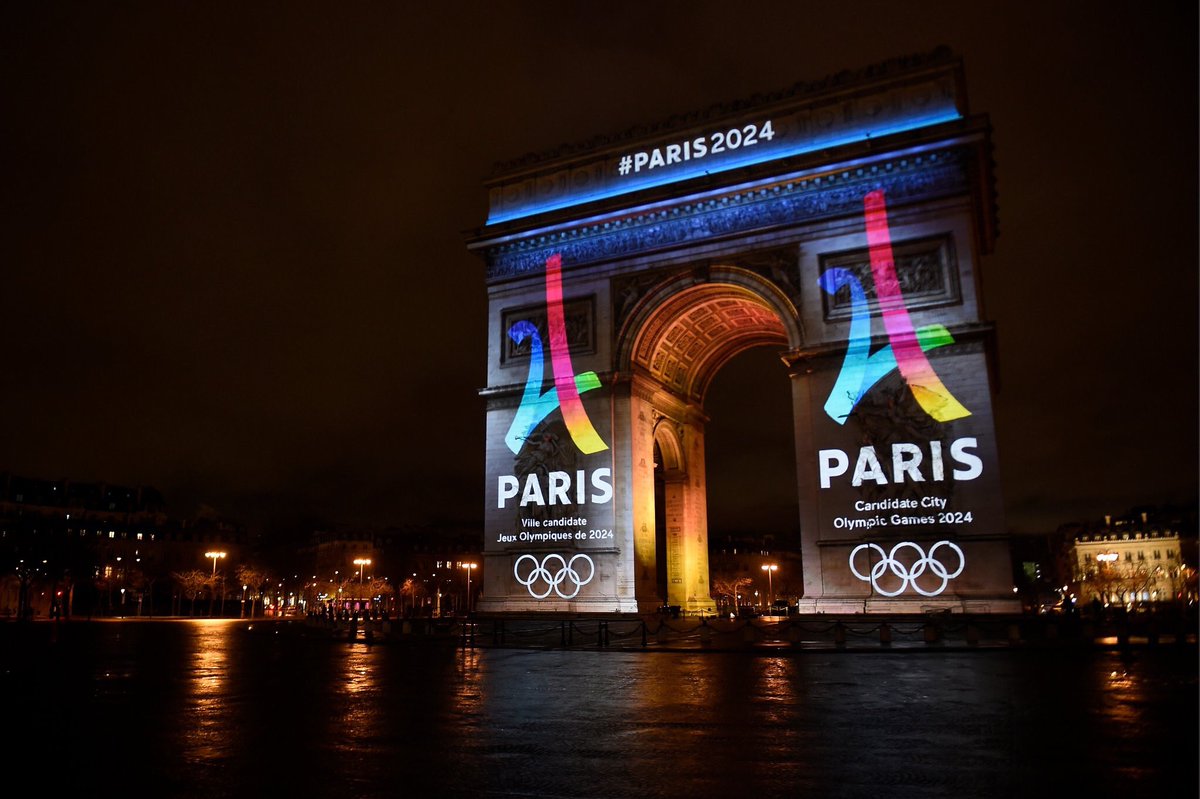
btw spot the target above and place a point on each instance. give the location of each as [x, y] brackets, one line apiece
[204, 709]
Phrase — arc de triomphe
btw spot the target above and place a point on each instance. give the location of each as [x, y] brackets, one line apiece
[842, 224]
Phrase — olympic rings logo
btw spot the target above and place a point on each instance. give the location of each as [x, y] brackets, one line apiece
[553, 580]
[908, 575]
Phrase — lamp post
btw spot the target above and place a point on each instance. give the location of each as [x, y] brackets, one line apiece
[770, 568]
[360, 562]
[469, 567]
[215, 557]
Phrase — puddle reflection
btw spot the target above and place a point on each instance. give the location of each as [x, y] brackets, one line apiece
[223, 709]
[358, 694]
[206, 731]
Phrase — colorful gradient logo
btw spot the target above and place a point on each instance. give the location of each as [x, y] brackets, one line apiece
[536, 406]
[906, 348]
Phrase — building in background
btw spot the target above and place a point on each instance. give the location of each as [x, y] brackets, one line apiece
[1134, 561]
[85, 547]
[422, 571]
[754, 574]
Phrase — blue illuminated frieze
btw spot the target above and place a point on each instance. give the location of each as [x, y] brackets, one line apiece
[826, 196]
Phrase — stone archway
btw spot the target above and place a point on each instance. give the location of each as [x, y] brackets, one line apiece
[674, 342]
[845, 225]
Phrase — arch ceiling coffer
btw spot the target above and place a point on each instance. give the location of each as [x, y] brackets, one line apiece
[694, 332]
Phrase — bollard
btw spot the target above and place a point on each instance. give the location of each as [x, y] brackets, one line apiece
[705, 634]
[885, 634]
[1014, 634]
[1051, 631]
[793, 635]
[562, 634]
[931, 633]
[748, 633]
[839, 635]
[661, 635]
[643, 635]
[972, 635]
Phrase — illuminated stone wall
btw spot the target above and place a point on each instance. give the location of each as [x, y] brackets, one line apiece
[636, 296]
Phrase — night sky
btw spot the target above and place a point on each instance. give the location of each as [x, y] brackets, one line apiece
[233, 237]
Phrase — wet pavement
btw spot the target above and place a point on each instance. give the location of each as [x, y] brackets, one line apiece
[211, 708]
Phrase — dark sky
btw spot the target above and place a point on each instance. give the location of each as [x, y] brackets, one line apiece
[235, 264]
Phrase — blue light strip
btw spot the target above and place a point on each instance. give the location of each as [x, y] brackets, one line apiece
[705, 167]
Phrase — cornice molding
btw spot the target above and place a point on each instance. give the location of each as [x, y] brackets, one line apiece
[909, 179]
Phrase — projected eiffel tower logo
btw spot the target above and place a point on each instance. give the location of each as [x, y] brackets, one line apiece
[906, 348]
[535, 405]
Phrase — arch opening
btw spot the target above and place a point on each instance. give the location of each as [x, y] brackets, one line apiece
[753, 501]
[681, 343]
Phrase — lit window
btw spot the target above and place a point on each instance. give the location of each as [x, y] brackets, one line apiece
[139, 536]
[1141, 555]
[1157, 555]
[112, 534]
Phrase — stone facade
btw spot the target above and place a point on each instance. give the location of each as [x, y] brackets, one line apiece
[655, 288]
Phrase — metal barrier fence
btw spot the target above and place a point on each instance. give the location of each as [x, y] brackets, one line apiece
[854, 632]
[850, 632]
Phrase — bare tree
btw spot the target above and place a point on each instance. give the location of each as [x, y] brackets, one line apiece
[191, 583]
[255, 579]
[1139, 581]
[377, 587]
[413, 589]
[380, 587]
[730, 587]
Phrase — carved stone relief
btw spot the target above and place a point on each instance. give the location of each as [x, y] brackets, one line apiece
[925, 268]
[578, 315]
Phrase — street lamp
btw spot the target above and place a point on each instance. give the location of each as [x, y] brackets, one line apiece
[360, 562]
[215, 557]
[469, 567]
[770, 568]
